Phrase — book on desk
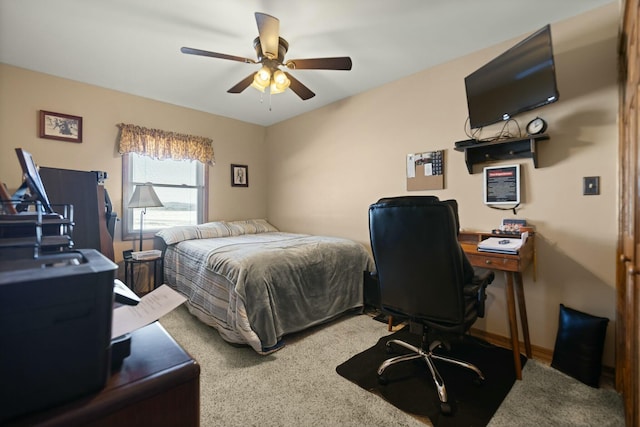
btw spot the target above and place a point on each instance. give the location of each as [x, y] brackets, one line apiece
[503, 245]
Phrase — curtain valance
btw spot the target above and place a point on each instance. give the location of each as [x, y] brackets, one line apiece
[161, 144]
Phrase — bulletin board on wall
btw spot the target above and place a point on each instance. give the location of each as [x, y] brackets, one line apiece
[425, 171]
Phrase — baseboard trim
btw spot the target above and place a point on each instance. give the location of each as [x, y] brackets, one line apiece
[540, 354]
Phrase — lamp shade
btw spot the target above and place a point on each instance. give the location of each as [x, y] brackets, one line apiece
[261, 79]
[144, 196]
[279, 82]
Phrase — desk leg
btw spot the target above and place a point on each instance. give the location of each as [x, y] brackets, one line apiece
[523, 314]
[513, 325]
[155, 273]
[129, 278]
[127, 267]
[161, 272]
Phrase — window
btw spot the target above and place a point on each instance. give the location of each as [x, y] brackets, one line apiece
[181, 186]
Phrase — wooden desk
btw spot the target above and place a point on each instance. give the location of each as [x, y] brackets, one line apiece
[513, 266]
[157, 385]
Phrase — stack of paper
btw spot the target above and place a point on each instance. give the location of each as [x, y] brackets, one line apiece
[502, 245]
[146, 255]
[152, 306]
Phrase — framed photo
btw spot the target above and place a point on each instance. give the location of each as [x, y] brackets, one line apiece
[61, 127]
[239, 176]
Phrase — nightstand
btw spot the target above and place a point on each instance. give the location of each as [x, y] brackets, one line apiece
[155, 269]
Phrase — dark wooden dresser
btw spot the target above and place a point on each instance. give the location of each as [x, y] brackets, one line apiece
[157, 385]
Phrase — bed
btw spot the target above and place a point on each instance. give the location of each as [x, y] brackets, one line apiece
[255, 284]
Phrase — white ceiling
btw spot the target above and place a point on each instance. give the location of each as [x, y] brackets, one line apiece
[133, 46]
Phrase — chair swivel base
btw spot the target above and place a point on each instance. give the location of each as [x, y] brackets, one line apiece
[428, 357]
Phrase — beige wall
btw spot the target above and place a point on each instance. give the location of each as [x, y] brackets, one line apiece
[327, 166]
[24, 93]
[319, 172]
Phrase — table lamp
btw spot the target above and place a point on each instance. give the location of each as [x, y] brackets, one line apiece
[144, 196]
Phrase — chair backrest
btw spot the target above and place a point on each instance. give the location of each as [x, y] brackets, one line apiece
[418, 258]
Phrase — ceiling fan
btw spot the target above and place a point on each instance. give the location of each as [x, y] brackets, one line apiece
[270, 50]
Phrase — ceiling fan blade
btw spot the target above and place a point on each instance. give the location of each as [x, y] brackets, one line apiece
[339, 63]
[269, 32]
[243, 84]
[192, 51]
[299, 89]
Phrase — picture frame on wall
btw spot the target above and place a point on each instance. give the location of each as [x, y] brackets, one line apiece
[239, 175]
[502, 185]
[61, 127]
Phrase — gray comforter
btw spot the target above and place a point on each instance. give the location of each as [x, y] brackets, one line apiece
[285, 282]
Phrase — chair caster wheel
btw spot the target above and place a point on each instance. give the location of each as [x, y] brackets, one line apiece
[382, 380]
[445, 408]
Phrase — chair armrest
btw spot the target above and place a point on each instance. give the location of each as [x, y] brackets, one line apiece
[481, 279]
[471, 290]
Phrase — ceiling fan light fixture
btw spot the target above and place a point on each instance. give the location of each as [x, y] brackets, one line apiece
[280, 82]
[280, 78]
[262, 79]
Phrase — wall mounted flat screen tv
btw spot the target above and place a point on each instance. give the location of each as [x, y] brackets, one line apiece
[520, 79]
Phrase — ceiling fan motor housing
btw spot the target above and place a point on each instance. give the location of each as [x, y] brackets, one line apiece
[283, 47]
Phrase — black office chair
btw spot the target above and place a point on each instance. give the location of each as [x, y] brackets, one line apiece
[425, 277]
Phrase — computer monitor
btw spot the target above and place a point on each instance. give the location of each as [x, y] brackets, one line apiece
[32, 177]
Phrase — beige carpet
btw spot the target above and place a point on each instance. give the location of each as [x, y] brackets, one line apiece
[298, 385]
[295, 386]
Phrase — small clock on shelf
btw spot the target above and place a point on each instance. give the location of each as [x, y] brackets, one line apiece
[536, 126]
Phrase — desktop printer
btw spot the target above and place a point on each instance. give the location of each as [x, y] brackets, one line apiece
[55, 329]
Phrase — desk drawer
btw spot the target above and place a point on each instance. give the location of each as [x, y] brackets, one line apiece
[500, 262]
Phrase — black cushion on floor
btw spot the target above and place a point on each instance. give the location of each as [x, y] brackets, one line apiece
[579, 345]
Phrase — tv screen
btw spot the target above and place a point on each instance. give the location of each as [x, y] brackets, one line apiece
[520, 79]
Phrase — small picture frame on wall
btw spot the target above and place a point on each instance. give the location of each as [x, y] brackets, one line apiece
[239, 175]
[61, 127]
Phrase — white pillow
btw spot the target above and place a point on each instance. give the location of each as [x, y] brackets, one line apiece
[251, 226]
[213, 229]
[178, 233]
[207, 230]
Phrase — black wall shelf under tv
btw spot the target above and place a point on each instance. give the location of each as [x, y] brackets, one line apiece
[505, 149]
